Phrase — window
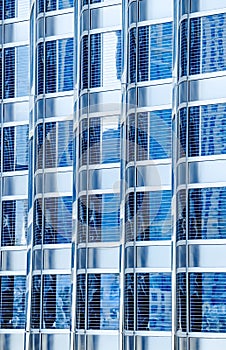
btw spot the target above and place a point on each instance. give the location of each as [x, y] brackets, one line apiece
[181, 302]
[183, 48]
[103, 218]
[56, 301]
[132, 55]
[15, 148]
[39, 149]
[160, 134]
[129, 302]
[12, 300]
[65, 66]
[16, 71]
[10, 9]
[40, 68]
[103, 301]
[207, 37]
[181, 133]
[181, 215]
[35, 301]
[80, 303]
[206, 207]
[14, 222]
[154, 315]
[95, 57]
[82, 219]
[207, 302]
[129, 217]
[207, 128]
[51, 69]
[52, 5]
[57, 220]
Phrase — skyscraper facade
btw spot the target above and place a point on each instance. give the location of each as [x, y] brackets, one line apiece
[112, 174]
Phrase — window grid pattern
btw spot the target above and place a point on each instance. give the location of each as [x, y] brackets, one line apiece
[12, 300]
[129, 302]
[53, 5]
[14, 223]
[181, 302]
[81, 301]
[181, 216]
[183, 48]
[207, 208]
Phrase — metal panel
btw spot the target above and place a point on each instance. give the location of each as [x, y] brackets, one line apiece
[154, 175]
[58, 182]
[181, 344]
[202, 5]
[56, 25]
[104, 179]
[81, 258]
[154, 256]
[82, 181]
[55, 341]
[207, 344]
[207, 172]
[16, 32]
[104, 257]
[207, 256]
[149, 343]
[34, 342]
[129, 257]
[59, 107]
[37, 260]
[129, 342]
[100, 342]
[108, 101]
[155, 10]
[14, 260]
[38, 182]
[80, 342]
[57, 258]
[16, 185]
[12, 341]
[181, 174]
[156, 95]
[181, 256]
[207, 89]
[17, 111]
[109, 16]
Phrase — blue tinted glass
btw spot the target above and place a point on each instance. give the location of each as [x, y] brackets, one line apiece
[181, 302]
[13, 301]
[1, 71]
[195, 35]
[82, 219]
[119, 54]
[35, 302]
[154, 302]
[160, 134]
[39, 146]
[182, 128]
[50, 145]
[207, 206]
[65, 143]
[142, 136]
[131, 139]
[84, 63]
[183, 47]
[80, 303]
[143, 53]
[22, 66]
[50, 83]
[51, 5]
[9, 72]
[207, 302]
[129, 302]
[193, 139]
[14, 222]
[65, 67]
[9, 9]
[110, 141]
[103, 301]
[1, 10]
[21, 147]
[83, 142]
[63, 4]
[129, 217]
[161, 51]
[132, 55]
[94, 140]
[181, 215]
[110, 218]
[37, 222]
[40, 68]
[95, 64]
[8, 149]
[40, 6]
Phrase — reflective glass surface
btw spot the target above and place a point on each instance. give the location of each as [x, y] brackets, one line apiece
[129, 302]
[80, 302]
[207, 209]
[181, 302]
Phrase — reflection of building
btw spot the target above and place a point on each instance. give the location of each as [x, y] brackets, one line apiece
[86, 187]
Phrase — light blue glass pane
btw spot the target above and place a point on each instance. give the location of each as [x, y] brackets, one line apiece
[22, 74]
[63, 4]
[51, 61]
[195, 35]
[110, 217]
[63, 301]
[65, 67]
[81, 298]
[65, 143]
[181, 302]
[160, 134]
[96, 60]
[22, 147]
[8, 149]
[111, 141]
[9, 72]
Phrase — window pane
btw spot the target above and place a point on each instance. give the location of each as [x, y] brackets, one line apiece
[110, 140]
[14, 222]
[13, 302]
[181, 302]
[82, 219]
[35, 301]
[51, 5]
[84, 63]
[143, 53]
[8, 149]
[39, 147]
[51, 62]
[132, 55]
[9, 72]
[65, 143]
[195, 34]
[103, 301]
[81, 298]
[208, 203]
[154, 302]
[65, 65]
[40, 6]
[37, 221]
[183, 48]
[63, 4]
[129, 217]
[95, 60]
[50, 145]
[0, 68]
[160, 134]
[40, 68]
[129, 302]
[9, 9]
[22, 75]
[21, 147]
[181, 215]
[94, 140]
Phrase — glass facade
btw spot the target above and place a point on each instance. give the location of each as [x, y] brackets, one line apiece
[112, 186]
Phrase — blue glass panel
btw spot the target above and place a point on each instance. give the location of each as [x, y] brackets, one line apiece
[193, 129]
[94, 140]
[183, 48]
[82, 219]
[35, 301]
[37, 222]
[181, 302]
[160, 134]
[95, 64]
[207, 213]
[40, 6]
[129, 302]
[195, 53]
[0, 71]
[110, 141]
[39, 146]
[110, 225]
[207, 302]
[94, 218]
[22, 66]
[131, 138]
[84, 63]
[154, 302]
[119, 54]
[51, 61]
[161, 51]
[58, 220]
[143, 53]
[65, 143]
[40, 68]
[81, 298]
[50, 145]
[8, 149]
[132, 55]
[14, 222]
[13, 302]
[21, 147]
[10, 9]
[1, 10]
[181, 215]
[63, 4]
[65, 65]
[103, 301]
[142, 136]
[51, 5]
[9, 72]
[129, 217]
[83, 142]
[181, 130]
